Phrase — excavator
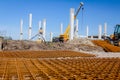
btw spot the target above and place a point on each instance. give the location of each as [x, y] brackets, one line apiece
[65, 37]
[114, 38]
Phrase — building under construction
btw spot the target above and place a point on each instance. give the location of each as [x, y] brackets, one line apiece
[65, 57]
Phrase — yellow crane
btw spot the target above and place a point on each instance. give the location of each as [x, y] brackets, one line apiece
[65, 37]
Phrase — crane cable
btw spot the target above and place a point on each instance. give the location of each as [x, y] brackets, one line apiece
[82, 18]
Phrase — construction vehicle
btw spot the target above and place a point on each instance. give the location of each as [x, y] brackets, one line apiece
[40, 36]
[114, 38]
[65, 37]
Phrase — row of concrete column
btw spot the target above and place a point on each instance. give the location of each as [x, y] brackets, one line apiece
[99, 31]
[73, 28]
[40, 24]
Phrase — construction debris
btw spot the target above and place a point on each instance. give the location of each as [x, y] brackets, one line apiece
[75, 45]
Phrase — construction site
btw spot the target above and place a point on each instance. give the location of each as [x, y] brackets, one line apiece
[64, 57]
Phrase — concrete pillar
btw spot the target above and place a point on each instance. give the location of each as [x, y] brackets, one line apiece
[100, 32]
[87, 31]
[105, 29]
[71, 24]
[61, 28]
[51, 36]
[91, 37]
[76, 29]
[21, 29]
[30, 26]
[44, 28]
[39, 24]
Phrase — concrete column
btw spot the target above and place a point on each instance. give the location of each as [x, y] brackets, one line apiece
[71, 24]
[61, 28]
[100, 32]
[105, 29]
[87, 31]
[91, 37]
[21, 29]
[76, 29]
[30, 26]
[39, 24]
[44, 28]
[51, 36]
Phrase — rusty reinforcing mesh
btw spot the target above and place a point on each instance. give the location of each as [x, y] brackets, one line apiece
[33, 65]
[60, 69]
[42, 54]
[106, 46]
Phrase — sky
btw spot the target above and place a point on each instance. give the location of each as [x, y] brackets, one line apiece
[96, 12]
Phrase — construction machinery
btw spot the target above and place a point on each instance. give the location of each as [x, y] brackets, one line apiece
[65, 37]
[40, 36]
[114, 38]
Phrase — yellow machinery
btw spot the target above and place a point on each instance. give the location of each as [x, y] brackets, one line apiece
[114, 38]
[65, 37]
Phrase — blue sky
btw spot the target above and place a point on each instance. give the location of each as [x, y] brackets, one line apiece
[56, 11]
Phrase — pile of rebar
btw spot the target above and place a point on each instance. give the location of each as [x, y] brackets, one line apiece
[106, 46]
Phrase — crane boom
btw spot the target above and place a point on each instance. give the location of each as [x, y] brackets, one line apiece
[81, 4]
[65, 36]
